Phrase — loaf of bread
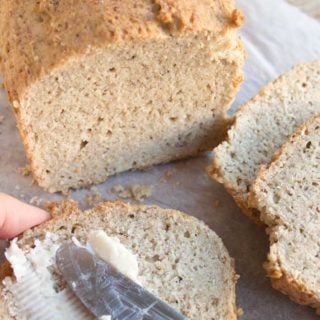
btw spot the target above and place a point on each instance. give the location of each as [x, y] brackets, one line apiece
[180, 259]
[262, 126]
[100, 87]
[287, 193]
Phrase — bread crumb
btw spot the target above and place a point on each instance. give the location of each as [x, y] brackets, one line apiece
[93, 198]
[1, 119]
[240, 312]
[168, 174]
[136, 192]
[94, 189]
[35, 200]
[140, 191]
[25, 171]
[121, 191]
[146, 168]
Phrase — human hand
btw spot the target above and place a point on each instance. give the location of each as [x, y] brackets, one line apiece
[16, 216]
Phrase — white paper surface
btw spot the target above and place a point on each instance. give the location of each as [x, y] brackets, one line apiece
[276, 36]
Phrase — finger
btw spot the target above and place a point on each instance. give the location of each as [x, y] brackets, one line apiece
[16, 216]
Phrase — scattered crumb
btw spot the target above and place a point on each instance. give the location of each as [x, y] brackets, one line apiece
[121, 192]
[178, 183]
[139, 192]
[145, 169]
[67, 193]
[94, 189]
[167, 175]
[240, 312]
[93, 198]
[17, 187]
[136, 192]
[24, 171]
[1, 119]
[35, 200]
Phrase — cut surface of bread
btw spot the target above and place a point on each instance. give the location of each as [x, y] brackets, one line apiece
[262, 126]
[287, 193]
[100, 87]
[180, 259]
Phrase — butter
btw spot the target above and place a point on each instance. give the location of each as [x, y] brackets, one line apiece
[17, 259]
[32, 293]
[111, 250]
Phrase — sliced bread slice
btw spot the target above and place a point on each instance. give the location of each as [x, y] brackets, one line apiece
[262, 126]
[287, 193]
[180, 259]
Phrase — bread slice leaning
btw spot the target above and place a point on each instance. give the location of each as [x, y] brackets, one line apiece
[287, 193]
[261, 126]
[180, 259]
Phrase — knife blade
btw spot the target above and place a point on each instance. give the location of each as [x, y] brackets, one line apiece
[105, 291]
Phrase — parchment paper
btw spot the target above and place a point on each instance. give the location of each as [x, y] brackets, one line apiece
[276, 36]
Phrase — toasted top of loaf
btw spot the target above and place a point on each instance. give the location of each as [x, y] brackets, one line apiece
[287, 192]
[263, 125]
[39, 35]
[180, 259]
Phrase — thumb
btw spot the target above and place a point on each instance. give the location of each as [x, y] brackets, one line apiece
[16, 216]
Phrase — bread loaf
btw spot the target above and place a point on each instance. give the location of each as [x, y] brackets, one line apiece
[262, 126]
[287, 194]
[100, 87]
[180, 259]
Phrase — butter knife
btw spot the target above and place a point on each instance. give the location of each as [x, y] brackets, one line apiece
[105, 291]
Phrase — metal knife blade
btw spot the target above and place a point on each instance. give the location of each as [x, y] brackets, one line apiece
[105, 291]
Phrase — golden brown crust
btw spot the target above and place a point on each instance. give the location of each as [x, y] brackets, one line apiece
[5, 270]
[39, 35]
[297, 291]
[281, 280]
[252, 200]
[24, 138]
[252, 213]
[215, 169]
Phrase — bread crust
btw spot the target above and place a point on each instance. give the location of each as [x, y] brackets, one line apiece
[253, 214]
[297, 291]
[215, 170]
[64, 211]
[30, 47]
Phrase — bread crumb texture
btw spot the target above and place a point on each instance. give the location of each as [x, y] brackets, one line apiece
[180, 259]
[136, 192]
[100, 87]
[24, 171]
[168, 175]
[287, 194]
[261, 126]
